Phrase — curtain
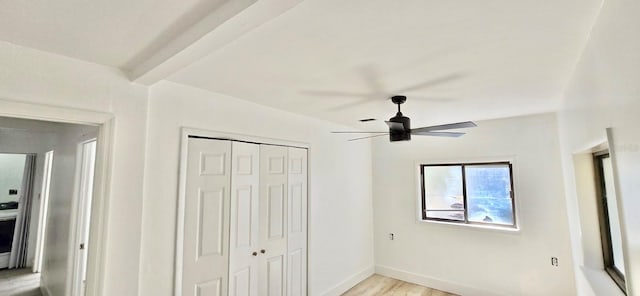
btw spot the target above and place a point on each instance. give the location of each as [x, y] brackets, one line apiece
[18, 258]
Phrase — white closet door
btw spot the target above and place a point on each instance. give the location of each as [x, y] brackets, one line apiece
[244, 237]
[273, 220]
[206, 233]
[297, 230]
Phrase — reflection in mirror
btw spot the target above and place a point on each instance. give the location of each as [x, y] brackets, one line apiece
[11, 174]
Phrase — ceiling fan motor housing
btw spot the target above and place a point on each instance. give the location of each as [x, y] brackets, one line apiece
[400, 135]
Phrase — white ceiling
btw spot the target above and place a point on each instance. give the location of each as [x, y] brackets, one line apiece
[511, 57]
[118, 33]
[332, 59]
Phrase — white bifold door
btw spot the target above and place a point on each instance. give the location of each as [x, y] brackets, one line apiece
[205, 251]
[297, 223]
[255, 228]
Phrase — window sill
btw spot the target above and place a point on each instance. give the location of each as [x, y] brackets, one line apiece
[514, 230]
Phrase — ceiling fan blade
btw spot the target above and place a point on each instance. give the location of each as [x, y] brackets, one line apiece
[395, 126]
[330, 93]
[438, 134]
[434, 99]
[429, 83]
[349, 105]
[359, 132]
[464, 124]
[368, 137]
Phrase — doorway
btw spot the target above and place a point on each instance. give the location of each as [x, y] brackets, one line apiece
[63, 157]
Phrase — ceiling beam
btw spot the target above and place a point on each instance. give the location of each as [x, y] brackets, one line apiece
[219, 28]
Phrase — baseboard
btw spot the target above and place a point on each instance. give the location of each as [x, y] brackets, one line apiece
[347, 284]
[44, 289]
[431, 282]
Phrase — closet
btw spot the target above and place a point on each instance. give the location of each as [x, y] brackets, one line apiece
[243, 225]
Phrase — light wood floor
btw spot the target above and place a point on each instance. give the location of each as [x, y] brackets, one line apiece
[19, 282]
[380, 285]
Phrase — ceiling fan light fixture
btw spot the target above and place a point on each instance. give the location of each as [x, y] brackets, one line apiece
[399, 125]
[397, 137]
[399, 128]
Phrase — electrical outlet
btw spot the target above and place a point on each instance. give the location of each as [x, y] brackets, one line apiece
[554, 261]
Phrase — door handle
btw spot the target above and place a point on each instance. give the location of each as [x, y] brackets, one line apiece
[263, 251]
[254, 253]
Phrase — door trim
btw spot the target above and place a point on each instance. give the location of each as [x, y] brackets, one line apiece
[43, 211]
[99, 211]
[185, 134]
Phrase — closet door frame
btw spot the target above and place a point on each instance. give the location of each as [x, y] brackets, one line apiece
[187, 133]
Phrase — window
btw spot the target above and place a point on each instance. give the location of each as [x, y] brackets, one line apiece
[468, 193]
[609, 220]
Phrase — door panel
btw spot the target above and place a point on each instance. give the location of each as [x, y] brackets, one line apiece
[276, 163]
[243, 220]
[245, 179]
[242, 281]
[275, 204]
[211, 210]
[296, 207]
[205, 261]
[296, 273]
[213, 164]
[211, 288]
[275, 276]
[297, 234]
[273, 220]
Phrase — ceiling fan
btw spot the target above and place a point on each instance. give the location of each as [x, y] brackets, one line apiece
[377, 90]
[400, 127]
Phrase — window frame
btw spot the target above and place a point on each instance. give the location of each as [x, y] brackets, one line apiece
[462, 165]
[604, 221]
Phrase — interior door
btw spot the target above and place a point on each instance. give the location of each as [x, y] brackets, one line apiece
[87, 171]
[205, 262]
[297, 230]
[244, 236]
[273, 220]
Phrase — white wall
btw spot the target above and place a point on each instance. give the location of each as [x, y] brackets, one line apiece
[473, 261]
[33, 76]
[12, 172]
[340, 221]
[604, 92]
